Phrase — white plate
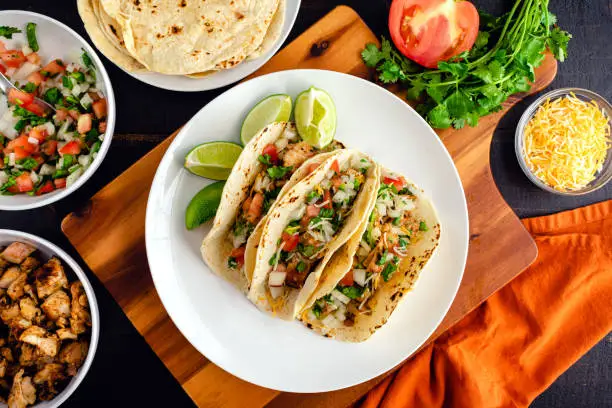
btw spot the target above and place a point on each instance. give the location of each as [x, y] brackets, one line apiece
[225, 77]
[57, 40]
[222, 324]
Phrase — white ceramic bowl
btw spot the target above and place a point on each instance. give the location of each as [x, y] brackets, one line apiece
[73, 270]
[58, 41]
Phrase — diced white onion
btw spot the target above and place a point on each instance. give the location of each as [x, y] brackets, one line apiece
[276, 291]
[34, 177]
[330, 321]
[340, 196]
[50, 128]
[11, 159]
[289, 133]
[359, 276]
[330, 174]
[323, 204]
[7, 124]
[46, 170]
[73, 177]
[60, 163]
[340, 315]
[281, 143]
[71, 67]
[86, 101]
[24, 71]
[381, 209]
[26, 50]
[3, 177]
[76, 88]
[276, 278]
[340, 296]
[326, 184]
[394, 213]
[376, 233]
[33, 140]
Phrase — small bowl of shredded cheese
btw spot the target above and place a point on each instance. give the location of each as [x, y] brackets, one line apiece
[563, 141]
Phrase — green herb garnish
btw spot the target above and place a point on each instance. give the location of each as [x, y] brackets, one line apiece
[278, 172]
[7, 32]
[31, 34]
[423, 226]
[52, 95]
[352, 292]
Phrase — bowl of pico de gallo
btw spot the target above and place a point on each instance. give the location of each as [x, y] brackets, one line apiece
[46, 154]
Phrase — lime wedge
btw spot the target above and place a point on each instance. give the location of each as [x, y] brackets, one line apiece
[274, 108]
[213, 160]
[315, 117]
[204, 205]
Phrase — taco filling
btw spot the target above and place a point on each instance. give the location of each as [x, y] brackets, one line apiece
[279, 161]
[302, 244]
[391, 229]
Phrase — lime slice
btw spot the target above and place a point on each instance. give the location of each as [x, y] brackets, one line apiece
[315, 117]
[204, 205]
[213, 160]
[274, 108]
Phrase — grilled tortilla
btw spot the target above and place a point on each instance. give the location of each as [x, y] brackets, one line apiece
[306, 226]
[365, 280]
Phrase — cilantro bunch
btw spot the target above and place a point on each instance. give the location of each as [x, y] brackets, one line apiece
[476, 82]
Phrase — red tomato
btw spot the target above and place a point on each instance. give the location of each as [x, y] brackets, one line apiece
[47, 187]
[20, 142]
[60, 183]
[430, 31]
[347, 280]
[100, 109]
[312, 211]
[291, 241]
[49, 147]
[335, 166]
[102, 127]
[13, 58]
[270, 150]
[36, 78]
[327, 197]
[312, 167]
[2, 69]
[39, 133]
[20, 153]
[36, 108]
[55, 67]
[33, 58]
[61, 115]
[74, 114]
[238, 255]
[399, 183]
[24, 183]
[84, 123]
[72, 147]
[19, 97]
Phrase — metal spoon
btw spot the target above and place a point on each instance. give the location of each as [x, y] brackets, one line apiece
[6, 85]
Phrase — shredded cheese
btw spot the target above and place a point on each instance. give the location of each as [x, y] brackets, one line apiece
[566, 142]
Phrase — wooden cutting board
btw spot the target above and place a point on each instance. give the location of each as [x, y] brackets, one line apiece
[109, 231]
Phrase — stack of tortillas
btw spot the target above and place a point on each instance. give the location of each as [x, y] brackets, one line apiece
[182, 37]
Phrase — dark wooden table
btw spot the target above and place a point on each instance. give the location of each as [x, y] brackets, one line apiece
[126, 373]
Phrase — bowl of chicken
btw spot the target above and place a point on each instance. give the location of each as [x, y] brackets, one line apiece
[49, 322]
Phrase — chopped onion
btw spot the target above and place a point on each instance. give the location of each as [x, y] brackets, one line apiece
[381, 209]
[46, 170]
[34, 177]
[340, 296]
[86, 101]
[73, 177]
[330, 321]
[276, 291]
[3, 177]
[289, 133]
[276, 278]
[11, 159]
[33, 140]
[323, 204]
[281, 143]
[401, 252]
[325, 184]
[7, 124]
[330, 174]
[394, 213]
[60, 163]
[404, 204]
[237, 240]
[359, 276]
[25, 71]
[50, 128]
[340, 196]
[76, 88]
[26, 50]
[340, 315]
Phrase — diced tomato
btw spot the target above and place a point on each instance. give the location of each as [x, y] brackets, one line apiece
[84, 123]
[102, 127]
[74, 114]
[312, 211]
[253, 207]
[291, 241]
[72, 147]
[61, 115]
[33, 58]
[100, 109]
[13, 189]
[13, 58]
[20, 142]
[270, 150]
[399, 183]
[335, 166]
[24, 183]
[336, 181]
[36, 108]
[55, 67]
[347, 280]
[39, 133]
[238, 254]
[47, 187]
[36, 78]
[20, 153]
[2, 69]
[49, 147]
[327, 197]
[312, 167]
[19, 97]
[39, 160]
[59, 183]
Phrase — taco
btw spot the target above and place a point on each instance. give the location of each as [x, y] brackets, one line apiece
[364, 281]
[269, 165]
[308, 224]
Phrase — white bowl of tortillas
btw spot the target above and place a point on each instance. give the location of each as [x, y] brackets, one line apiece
[188, 45]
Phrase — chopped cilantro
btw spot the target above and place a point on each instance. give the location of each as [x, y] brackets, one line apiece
[423, 226]
[326, 213]
[78, 76]
[388, 271]
[52, 95]
[278, 172]
[28, 163]
[313, 195]
[67, 82]
[396, 221]
[265, 159]
[307, 250]
[352, 292]
[301, 266]
[383, 258]
[7, 32]
[30, 87]
[31, 34]
[405, 191]
[232, 263]
[68, 161]
[20, 125]
[272, 260]
[86, 59]
[61, 173]
[316, 310]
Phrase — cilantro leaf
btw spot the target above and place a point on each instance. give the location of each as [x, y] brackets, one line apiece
[7, 32]
[439, 117]
[371, 55]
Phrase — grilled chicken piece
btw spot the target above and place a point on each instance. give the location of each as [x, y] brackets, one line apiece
[50, 278]
[28, 308]
[17, 252]
[3, 367]
[28, 356]
[29, 264]
[79, 316]
[57, 305]
[66, 334]
[50, 374]
[15, 290]
[6, 354]
[18, 325]
[3, 264]
[8, 313]
[22, 393]
[37, 336]
[73, 354]
[9, 276]
[296, 154]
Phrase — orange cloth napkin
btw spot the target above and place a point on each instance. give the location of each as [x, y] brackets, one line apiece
[514, 345]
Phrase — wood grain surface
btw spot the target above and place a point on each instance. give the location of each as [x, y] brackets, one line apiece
[109, 231]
